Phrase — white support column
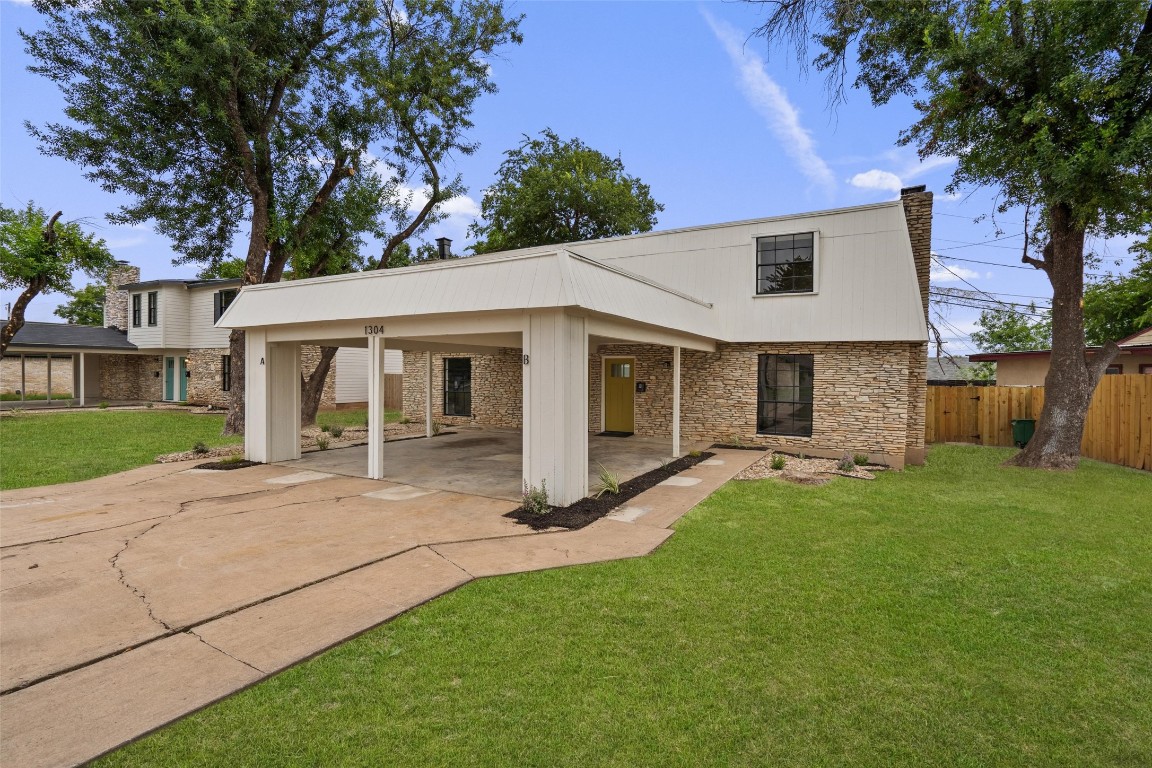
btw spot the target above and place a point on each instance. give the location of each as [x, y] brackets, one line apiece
[49, 400]
[23, 378]
[428, 393]
[675, 402]
[556, 405]
[271, 399]
[376, 407]
[79, 389]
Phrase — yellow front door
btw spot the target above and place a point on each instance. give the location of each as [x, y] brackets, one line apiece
[619, 393]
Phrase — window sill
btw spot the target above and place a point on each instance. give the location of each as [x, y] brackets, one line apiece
[778, 295]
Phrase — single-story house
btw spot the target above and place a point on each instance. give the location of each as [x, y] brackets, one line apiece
[158, 343]
[953, 371]
[1029, 369]
[805, 332]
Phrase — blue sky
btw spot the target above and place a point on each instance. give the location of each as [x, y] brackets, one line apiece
[719, 129]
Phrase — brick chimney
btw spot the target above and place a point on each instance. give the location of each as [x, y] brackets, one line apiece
[918, 216]
[116, 302]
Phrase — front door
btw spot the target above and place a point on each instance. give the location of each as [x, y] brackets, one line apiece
[175, 379]
[169, 377]
[619, 394]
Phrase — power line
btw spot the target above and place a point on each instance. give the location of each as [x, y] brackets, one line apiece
[985, 307]
[1039, 308]
[1006, 266]
[962, 278]
[967, 244]
[973, 219]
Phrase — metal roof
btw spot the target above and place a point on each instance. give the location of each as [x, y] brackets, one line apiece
[74, 337]
[185, 283]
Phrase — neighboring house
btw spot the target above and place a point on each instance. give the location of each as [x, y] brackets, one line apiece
[1028, 369]
[159, 343]
[954, 371]
[806, 333]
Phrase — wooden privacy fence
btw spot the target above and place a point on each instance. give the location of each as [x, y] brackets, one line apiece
[1118, 428]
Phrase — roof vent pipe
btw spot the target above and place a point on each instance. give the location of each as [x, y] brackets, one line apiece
[443, 248]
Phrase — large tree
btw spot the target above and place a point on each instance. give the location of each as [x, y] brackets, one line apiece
[38, 254]
[85, 306]
[209, 115]
[549, 190]
[1049, 102]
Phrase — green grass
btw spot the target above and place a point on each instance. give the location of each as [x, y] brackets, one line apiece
[43, 449]
[961, 614]
[356, 417]
[10, 397]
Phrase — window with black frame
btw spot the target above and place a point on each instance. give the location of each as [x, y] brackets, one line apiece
[784, 263]
[135, 310]
[221, 302]
[153, 308]
[226, 373]
[457, 386]
[784, 395]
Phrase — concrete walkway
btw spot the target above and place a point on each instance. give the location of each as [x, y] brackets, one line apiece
[173, 551]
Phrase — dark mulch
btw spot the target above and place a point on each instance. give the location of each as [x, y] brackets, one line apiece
[228, 464]
[589, 510]
[615, 434]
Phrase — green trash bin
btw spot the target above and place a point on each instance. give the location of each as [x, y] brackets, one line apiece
[1022, 431]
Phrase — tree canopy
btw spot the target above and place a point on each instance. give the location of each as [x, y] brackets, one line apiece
[85, 307]
[1009, 330]
[38, 254]
[274, 114]
[1049, 102]
[1117, 306]
[549, 190]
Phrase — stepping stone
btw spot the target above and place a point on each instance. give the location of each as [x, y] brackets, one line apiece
[306, 476]
[628, 514]
[400, 493]
[712, 463]
[682, 482]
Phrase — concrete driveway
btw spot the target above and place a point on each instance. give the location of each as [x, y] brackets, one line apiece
[131, 600]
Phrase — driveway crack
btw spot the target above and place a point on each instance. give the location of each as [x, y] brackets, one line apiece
[253, 667]
[122, 577]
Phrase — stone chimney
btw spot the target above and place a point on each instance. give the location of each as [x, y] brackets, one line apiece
[918, 214]
[116, 302]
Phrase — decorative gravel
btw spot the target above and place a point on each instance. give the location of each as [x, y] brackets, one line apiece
[812, 466]
[308, 437]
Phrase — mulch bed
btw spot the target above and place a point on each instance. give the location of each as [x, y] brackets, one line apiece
[739, 447]
[589, 510]
[224, 465]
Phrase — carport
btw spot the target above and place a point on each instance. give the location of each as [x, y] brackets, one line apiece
[552, 305]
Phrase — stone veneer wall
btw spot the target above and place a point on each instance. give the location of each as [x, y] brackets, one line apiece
[116, 302]
[36, 375]
[208, 373]
[497, 388]
[860, 399]
[132, 377]
[918, 215]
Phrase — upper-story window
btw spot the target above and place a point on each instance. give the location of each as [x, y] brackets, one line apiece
[784, 263]
[135, 310]
[153, 315]
[221, 301]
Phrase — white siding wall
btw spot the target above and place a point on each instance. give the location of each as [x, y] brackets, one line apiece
[171, 329]
[202, 334]
[352, 372]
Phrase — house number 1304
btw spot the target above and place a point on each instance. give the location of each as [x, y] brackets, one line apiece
[373, 330]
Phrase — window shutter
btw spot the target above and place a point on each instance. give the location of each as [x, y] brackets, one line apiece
[216, 297]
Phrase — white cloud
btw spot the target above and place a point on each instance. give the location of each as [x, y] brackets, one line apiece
[877, 179]
[894, 181]
[125, 242]
[771, 101]
[952, 274]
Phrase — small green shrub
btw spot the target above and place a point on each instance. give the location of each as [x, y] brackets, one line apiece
[437, 427]
[322, 443]
[404, 420]
[694, 454]
[325, 428]
[103, 404]
[149, 404]
[336, 430]
[536, 499]
[846, 464]
[235, 458]
[778, 462]
[860, 459]
[200, 447]
[609, 482]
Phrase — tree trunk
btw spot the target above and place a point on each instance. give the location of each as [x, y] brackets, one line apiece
[312, 388]
[234, 421]
[16, 318]
[1072, 376]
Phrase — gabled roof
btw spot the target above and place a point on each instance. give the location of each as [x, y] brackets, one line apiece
[220, 283]
[947, 369]
[555, 278]
[63, 335]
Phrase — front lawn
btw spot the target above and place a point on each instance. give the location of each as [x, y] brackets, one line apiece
[958, 614]
[352, 417]
[43, 449]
